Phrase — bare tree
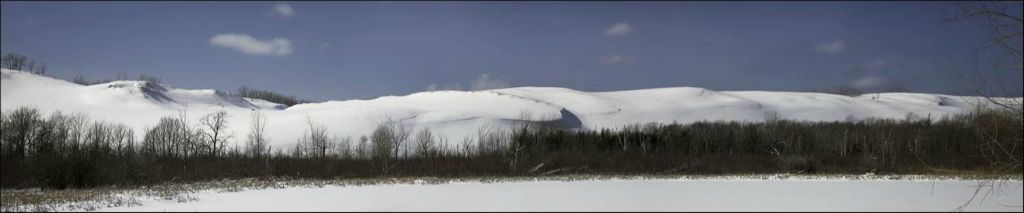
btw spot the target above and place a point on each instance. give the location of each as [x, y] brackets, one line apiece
[382, 145]
[30, 66]
[163, 140]
[524, 129]
[214, 135]
[401, 137]
[388, 140]
[1005, 34]
[298, 150]
[343, 147]
[14, 61]
[363, 149]
[491, 139]
[19, 62]
[22, 122]
[150, 79]
[425, 143]
[316, 138]
[41, 68]
[80, 80]
[256, 141]
[124, 140]
[1005, 29]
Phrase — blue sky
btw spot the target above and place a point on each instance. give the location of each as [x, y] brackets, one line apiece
[345, 50]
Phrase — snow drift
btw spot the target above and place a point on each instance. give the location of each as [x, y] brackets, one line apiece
[459, 114]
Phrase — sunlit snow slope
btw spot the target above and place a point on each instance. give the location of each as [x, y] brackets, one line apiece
[458, 114]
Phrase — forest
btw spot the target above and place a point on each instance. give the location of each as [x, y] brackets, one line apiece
[62, 150]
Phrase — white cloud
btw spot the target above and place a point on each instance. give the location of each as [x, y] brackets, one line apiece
[870, 81]
[616, 59]
[831, 47]
[618, 29]
[484, 82]
[284, 9]
[436, 87]
[249, 45]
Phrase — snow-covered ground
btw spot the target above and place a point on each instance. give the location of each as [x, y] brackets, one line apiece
[617, 195]
[459, 114]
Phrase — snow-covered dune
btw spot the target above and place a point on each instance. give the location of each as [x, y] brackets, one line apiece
[689, 104]
[458, 114]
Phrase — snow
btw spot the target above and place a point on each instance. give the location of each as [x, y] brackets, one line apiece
[688, 104]
[458, 114]
[615, 195]
[262, 104]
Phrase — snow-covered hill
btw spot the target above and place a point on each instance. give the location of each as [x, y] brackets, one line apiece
[459, 114]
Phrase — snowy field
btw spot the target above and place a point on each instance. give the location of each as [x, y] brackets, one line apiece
[616, 195]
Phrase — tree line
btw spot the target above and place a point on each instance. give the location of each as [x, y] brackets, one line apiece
[270, 96]
[14, 61]
[71, 151]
